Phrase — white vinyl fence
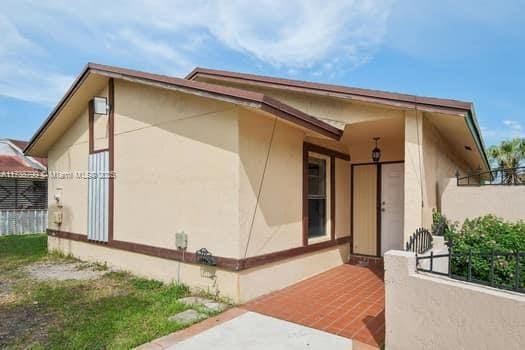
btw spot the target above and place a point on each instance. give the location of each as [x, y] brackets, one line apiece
[20, 221]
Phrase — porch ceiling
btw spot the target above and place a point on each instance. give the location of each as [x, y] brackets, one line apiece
[359, 139]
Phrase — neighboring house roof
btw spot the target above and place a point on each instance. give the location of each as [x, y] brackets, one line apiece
[364, 95]
[13, 164]
[22, 145]
[13, 160]
[239, 96]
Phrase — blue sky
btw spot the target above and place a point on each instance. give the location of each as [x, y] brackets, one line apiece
[467, 50]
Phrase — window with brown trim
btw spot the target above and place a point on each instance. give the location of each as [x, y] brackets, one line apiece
[318, 195]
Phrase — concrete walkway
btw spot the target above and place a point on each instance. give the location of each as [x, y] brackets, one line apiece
[253, 331]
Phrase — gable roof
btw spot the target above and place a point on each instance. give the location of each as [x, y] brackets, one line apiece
[13, 160]
[234, 95]
[9, 163]
[22, 145]
[423, 103]
[18, 143]
[334, 90]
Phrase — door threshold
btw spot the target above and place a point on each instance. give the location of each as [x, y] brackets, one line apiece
[365, 260]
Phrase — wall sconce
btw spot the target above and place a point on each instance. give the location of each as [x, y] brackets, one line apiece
[203, 256]
[376, 152]
[100, 105]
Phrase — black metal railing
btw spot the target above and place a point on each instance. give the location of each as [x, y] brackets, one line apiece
[503, 270]
[497, 176]
[420, 241]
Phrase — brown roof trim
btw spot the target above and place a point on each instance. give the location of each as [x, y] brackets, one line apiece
[351, 92]
[254, 99]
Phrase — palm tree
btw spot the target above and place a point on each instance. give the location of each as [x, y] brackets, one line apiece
[508, 156]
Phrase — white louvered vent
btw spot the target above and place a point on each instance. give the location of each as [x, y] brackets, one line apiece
[98, 188]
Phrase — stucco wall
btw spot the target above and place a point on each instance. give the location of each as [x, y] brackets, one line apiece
[413, 173]
[428, 162]
[439, 163]
[206, 278]
[69, 155]
[428, 312]
[199, 165]
[264, 279]
[237, 286]
[460, 203]
[271, 169]
[176, 164]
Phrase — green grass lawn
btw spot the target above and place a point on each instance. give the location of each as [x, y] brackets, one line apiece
[115, 311]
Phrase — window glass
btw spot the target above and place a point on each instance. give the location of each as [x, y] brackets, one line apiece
[316, 197]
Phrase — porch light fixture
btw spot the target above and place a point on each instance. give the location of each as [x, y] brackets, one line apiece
[376, 152]
[100, 105]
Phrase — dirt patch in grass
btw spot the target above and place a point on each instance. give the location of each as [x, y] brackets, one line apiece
[22, 326]
[5, 287]
[62, 271]
[6, 292]
[51, 301]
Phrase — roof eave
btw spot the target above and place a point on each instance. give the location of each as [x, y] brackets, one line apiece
[255, 99]
[472, 124]
[329, 88]
[393, 99]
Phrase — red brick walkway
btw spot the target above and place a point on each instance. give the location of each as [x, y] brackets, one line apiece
[348, 300]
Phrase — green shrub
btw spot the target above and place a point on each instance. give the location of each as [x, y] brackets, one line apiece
[439, 223]
[485, 235]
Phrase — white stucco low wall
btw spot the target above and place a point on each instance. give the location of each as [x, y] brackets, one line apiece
[460, 203]
[429, 312]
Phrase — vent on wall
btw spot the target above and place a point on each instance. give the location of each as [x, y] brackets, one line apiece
[98, 184]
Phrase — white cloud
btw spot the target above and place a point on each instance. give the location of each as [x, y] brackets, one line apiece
[513, 125]
[301, 34]
[32, 83]
[295, 35]
[21, 78]
[508, 129]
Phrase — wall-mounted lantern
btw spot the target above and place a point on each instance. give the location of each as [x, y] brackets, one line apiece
[203, 256]
[100, 105]
[376, 152]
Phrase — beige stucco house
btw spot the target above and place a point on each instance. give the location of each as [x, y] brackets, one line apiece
[274, 177]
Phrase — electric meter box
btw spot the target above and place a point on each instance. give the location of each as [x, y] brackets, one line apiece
[181, 240]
